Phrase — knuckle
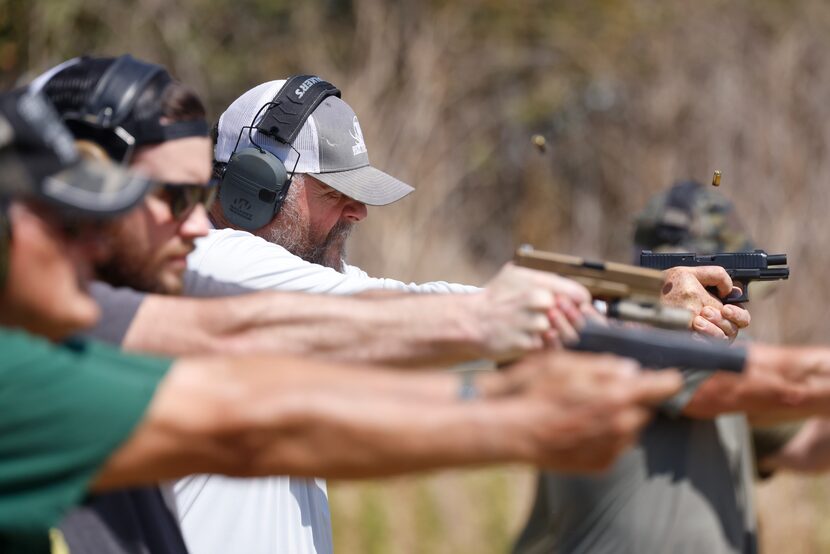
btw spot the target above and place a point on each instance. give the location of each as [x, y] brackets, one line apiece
[539, 323]
[538, 298]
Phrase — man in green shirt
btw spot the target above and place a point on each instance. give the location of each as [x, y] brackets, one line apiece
[53, 439]
[79, 417]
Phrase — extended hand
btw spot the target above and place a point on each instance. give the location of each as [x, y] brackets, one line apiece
[685, 287]
[517, 310]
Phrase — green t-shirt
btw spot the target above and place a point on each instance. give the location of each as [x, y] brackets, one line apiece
[63, 411]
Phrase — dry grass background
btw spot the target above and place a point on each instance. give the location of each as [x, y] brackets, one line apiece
[631, 95]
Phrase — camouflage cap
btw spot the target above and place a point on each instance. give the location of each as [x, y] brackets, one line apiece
[690, 217]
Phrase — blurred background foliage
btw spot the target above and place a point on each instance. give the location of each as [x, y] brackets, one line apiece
[630, 95]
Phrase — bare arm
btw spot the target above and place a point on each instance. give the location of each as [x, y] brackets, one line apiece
[240, 417]
[400, 330]
[506, 319]
[779, 384]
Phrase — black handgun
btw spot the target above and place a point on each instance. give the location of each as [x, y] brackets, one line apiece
[742, 267]
[658, 349]
[661, 348]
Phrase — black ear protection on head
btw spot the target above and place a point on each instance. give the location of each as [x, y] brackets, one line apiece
[105, 117]
[255, 182]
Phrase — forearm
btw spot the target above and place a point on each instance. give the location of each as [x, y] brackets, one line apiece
[779, 384]
[406, 330]
[391, 437]
[243, 418]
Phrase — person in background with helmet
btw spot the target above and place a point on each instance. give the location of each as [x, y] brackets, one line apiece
[688, 485]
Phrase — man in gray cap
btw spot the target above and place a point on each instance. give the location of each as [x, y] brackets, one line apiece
[332, 184]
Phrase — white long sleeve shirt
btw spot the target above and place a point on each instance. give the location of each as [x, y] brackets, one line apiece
[252, 262]
[271, 515]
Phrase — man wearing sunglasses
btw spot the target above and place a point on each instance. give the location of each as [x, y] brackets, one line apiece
[162, 134]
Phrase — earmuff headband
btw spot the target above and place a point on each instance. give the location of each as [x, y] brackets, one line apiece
[255, 182]
[118, 90]
[298, 97]
[113, 100]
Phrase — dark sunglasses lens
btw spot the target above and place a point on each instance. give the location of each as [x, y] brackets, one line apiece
[183, 198]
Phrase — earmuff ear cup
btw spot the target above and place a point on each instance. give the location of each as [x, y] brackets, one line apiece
[253, 188]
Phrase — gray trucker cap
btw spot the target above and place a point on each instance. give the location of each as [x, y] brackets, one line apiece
[330, 145]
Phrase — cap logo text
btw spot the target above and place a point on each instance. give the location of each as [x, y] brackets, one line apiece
[305, 85]
[359, 144]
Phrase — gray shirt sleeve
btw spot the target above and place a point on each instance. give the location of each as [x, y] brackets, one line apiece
[205, 286]
[120, 305]
[118, 309]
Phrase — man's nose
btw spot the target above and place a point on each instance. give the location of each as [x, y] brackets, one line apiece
[196, 223]
[354, 211]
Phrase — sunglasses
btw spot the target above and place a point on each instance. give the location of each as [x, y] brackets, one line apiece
[182, 198]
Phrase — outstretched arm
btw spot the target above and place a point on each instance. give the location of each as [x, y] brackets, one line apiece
[572, 412]
[779, 384]
[505, 319]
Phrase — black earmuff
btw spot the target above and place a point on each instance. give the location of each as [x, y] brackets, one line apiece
[255, 182]
[102, 116]
[106, 116]
[253, 188]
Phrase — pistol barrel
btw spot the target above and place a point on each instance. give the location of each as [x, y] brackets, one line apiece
[776, 259]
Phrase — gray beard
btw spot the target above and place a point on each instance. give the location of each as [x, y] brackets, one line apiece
[289, 233]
